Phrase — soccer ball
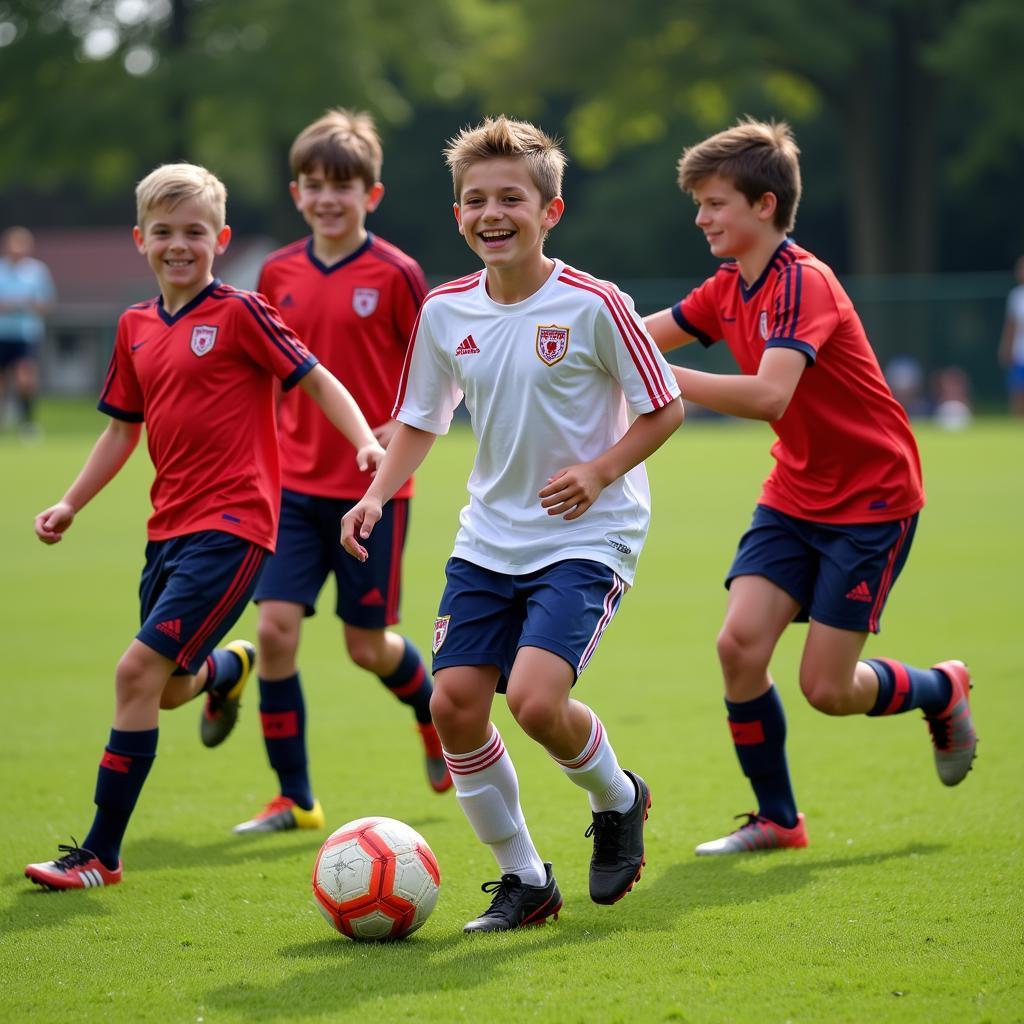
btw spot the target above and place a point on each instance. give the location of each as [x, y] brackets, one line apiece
[376, 879]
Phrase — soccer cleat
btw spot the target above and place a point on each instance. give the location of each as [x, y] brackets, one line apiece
[757, 833]
[76, 869]
[953, 735]
[438, 776]
[516, 905]
[618, 857]
[220, 712]
[281, 815]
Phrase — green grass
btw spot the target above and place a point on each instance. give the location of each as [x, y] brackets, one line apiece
[906, 907]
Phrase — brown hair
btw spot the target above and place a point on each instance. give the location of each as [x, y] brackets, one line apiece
[344, 143]
[171, 184]
[757, 156]
[501, 137]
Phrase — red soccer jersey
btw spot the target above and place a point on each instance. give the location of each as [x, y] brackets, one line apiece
[845, 451]
[357, 317]
[203, 383]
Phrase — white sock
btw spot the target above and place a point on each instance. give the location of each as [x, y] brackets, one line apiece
[596, 769]
[487, 789]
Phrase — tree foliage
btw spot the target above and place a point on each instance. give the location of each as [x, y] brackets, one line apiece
[901, 106]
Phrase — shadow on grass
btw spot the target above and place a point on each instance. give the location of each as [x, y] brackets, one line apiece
[350, 974]
[706, 882]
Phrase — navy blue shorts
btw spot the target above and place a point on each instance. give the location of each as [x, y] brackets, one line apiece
[12, 352]
[840, 573]
[485, 616]
[309, 549]
[193, 590]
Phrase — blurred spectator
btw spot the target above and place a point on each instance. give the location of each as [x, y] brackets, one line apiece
[905, 378]
[26, 295]
[953, 398]
[1011, 348]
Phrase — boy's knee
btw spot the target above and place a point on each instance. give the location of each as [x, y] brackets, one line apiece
[735, 649]
[277, 637]
[132, 680]
[366, 652]
[534, 714]
[822, 695]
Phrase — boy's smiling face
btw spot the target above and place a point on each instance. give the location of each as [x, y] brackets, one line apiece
[501, 214]
[732, 224]
[335, 210]
[180, 244]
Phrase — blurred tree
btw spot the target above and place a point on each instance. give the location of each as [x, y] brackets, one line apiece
[898, 104]
[884, 72]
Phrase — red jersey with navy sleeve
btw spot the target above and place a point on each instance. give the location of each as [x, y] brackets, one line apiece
[202, 380]
[845, 451]
[357, 316]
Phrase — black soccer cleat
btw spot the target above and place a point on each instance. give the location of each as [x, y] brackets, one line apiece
[516, 905]
[618, 857]
[220, 709]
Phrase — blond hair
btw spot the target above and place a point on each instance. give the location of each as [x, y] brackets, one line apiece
[344, 143]
[501, 137]
[171, 184]
[758, 157]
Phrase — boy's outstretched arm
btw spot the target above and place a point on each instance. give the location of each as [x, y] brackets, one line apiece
[108, 455]
[340, 408]
[407, 449]
[665, 331]
[571, 491]
[761, 396]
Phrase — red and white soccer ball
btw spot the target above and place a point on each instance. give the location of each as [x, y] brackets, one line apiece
[376, 879]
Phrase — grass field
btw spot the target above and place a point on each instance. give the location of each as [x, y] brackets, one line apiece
[907, 906]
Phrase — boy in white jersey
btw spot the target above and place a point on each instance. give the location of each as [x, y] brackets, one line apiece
[550, 362]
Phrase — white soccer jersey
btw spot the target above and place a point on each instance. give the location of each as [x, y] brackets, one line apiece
[547, 382]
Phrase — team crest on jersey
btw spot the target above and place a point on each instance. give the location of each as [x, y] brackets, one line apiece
[364, 300]
[203, 339]
[762, 324]
[440, 631]
[552, 343]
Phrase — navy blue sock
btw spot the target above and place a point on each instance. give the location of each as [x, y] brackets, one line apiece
[223, 668]
[411, 683]
[758, 730]
[902, 687]
[126, 762]
[283, 717]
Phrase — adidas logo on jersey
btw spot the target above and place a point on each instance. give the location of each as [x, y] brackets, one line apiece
[171, 628]
[467, 347]
[860, 592]
[372, 598]
[286, 301]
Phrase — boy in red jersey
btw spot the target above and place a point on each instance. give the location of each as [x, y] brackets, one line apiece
[836, 517]
[353, 299]
[198, 365]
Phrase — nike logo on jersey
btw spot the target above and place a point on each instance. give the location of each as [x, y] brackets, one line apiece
[467, 347]
[139, 344]
[727, 319]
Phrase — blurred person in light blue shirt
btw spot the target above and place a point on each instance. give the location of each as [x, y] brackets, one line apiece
[26, 295]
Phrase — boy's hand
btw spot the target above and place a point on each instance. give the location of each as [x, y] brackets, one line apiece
[51, 524]
[571, 491]
[385, 432]
[357, 524]
[369, 457]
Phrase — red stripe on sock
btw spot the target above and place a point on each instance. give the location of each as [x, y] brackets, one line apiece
[409, 688]
[901, 678]
[491, 753]
[280, 725]
[116, 762]
[746, 734]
